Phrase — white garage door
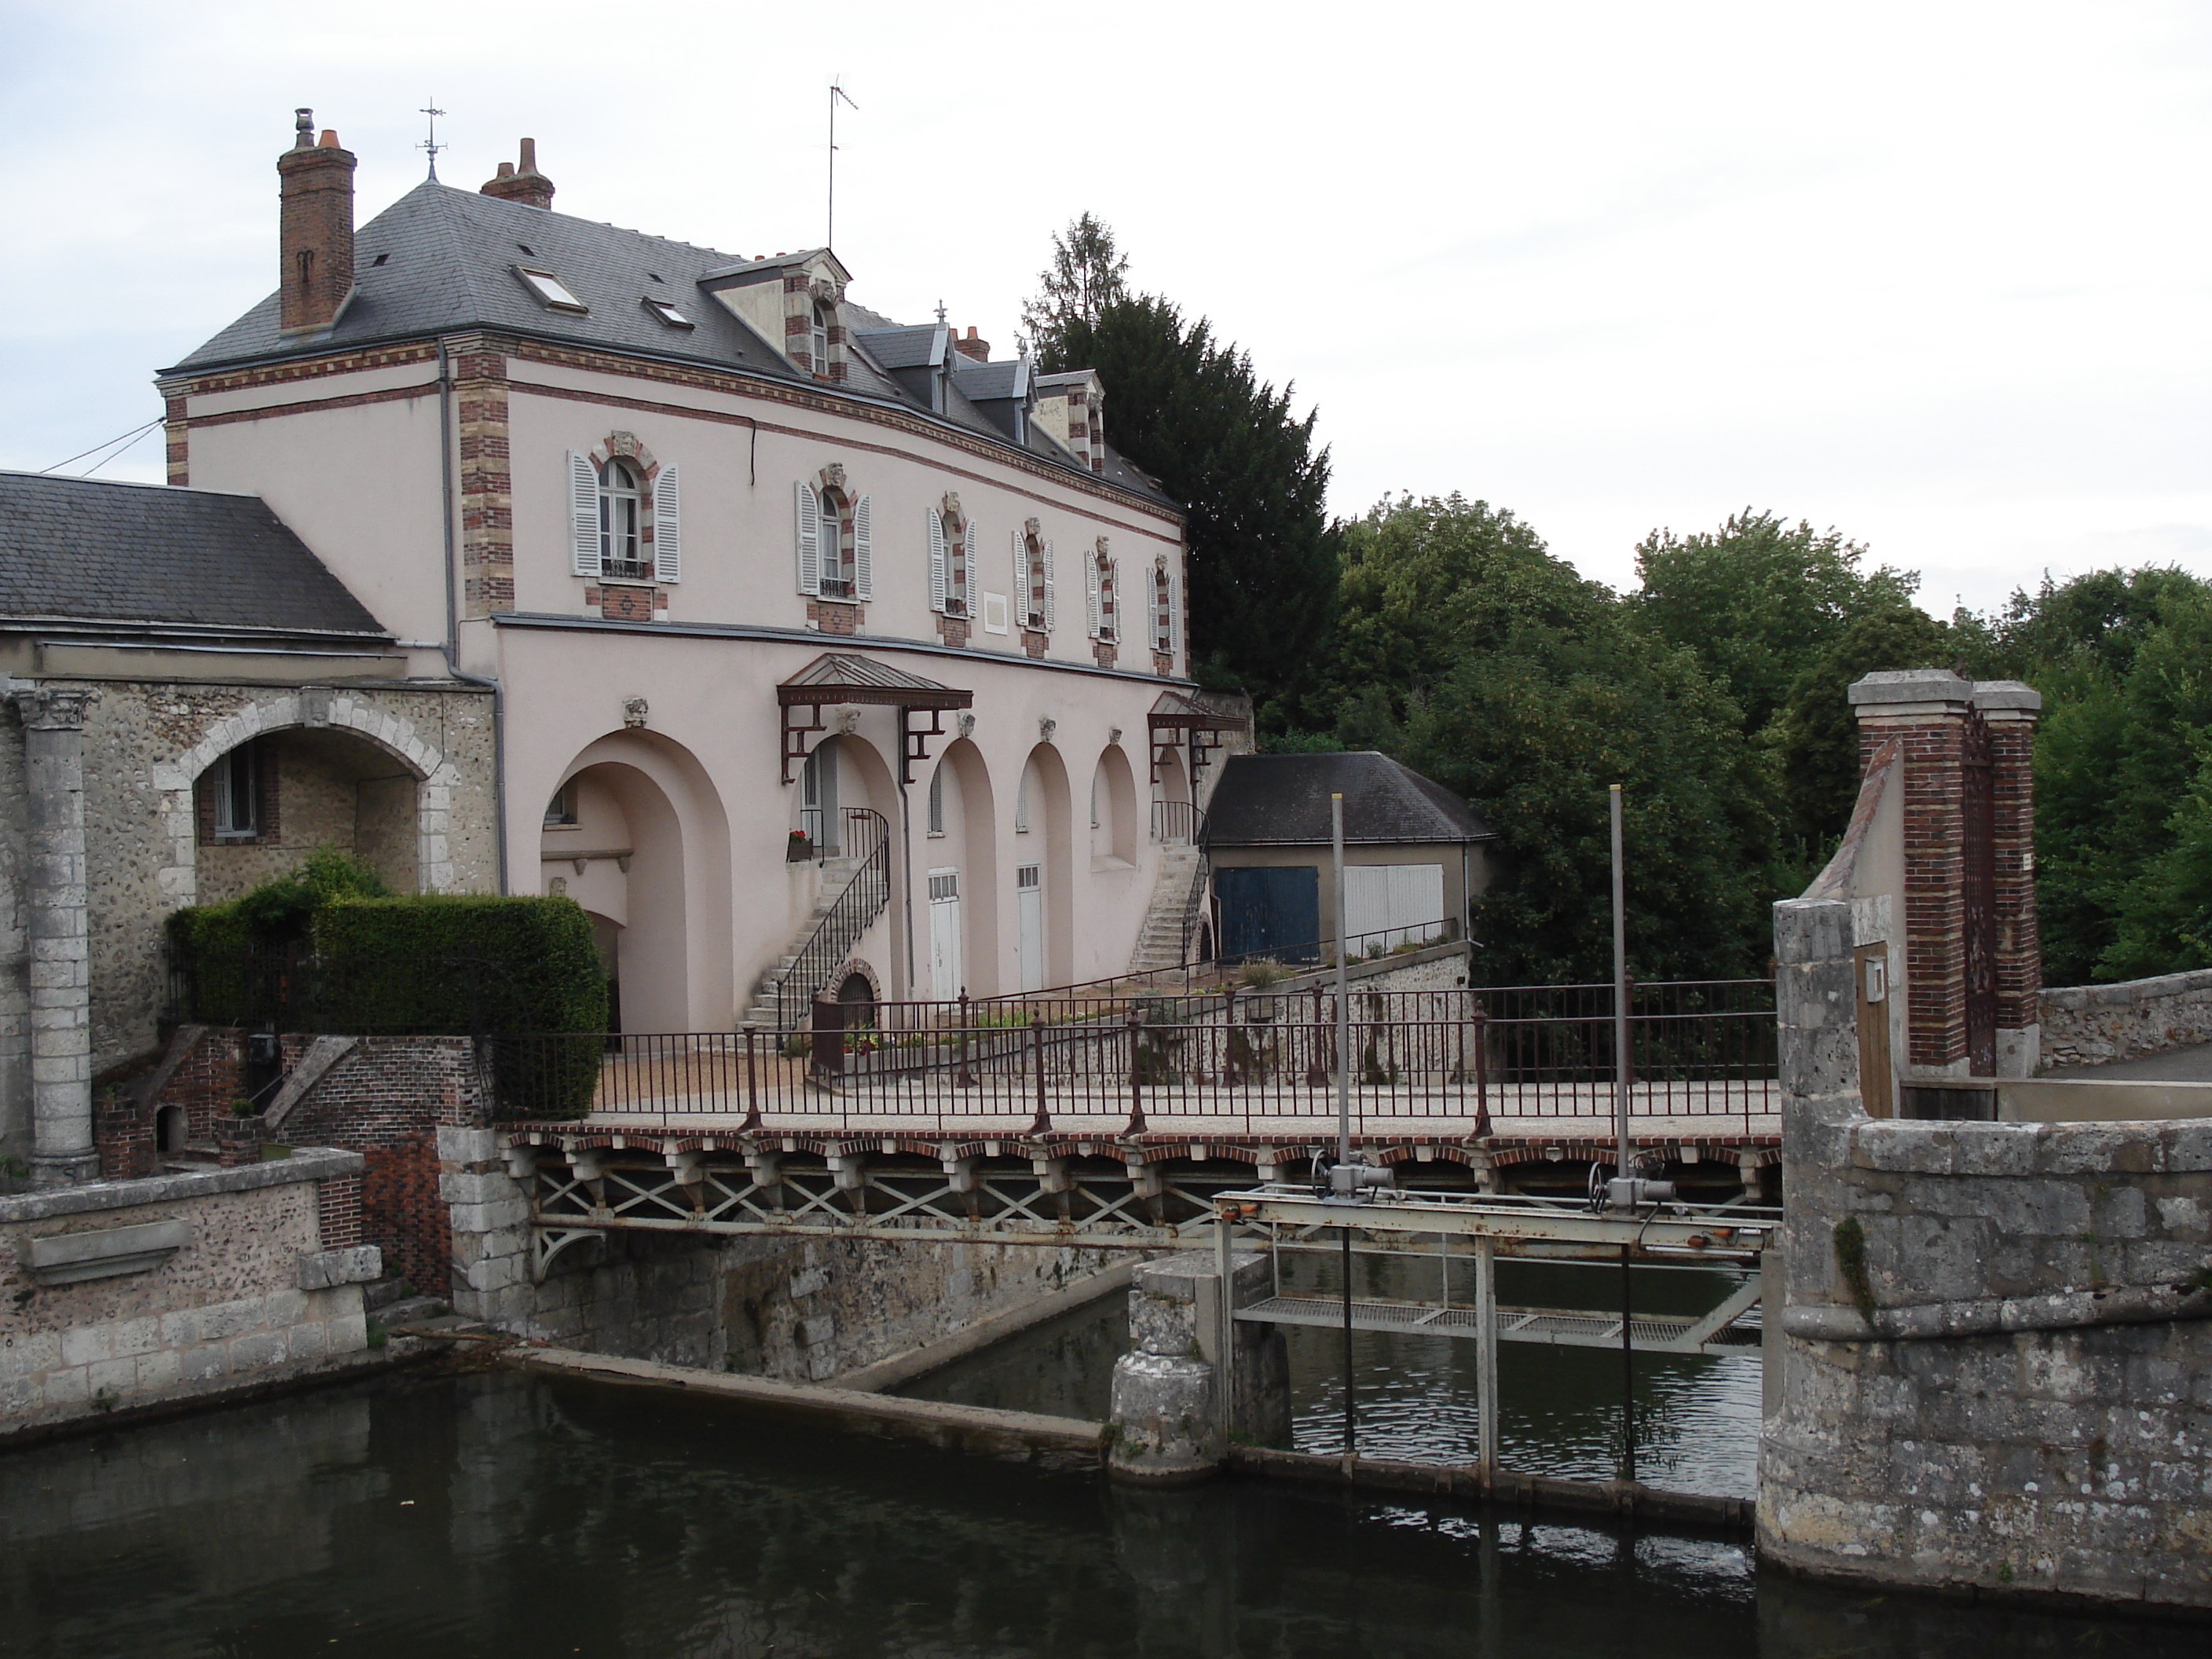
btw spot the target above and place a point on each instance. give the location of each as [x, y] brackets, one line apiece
[1387, 905]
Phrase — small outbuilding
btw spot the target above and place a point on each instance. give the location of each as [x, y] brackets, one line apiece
[1415, 855]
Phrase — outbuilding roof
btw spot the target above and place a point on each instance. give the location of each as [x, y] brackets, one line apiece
[92, 551]
[1278, 800]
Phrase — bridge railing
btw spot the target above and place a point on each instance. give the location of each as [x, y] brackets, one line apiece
[1465, 1062]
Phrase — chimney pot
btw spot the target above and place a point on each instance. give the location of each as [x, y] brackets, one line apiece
[524, 184]
[303, 128]
[315, 227]
[970, 347]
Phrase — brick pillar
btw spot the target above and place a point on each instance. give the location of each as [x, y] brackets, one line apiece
[2009, 708]
[56, 926]
[1926, 710]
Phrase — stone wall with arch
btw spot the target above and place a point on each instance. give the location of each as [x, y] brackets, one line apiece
[146, 744]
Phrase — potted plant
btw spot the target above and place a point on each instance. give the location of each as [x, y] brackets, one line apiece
[797, 849]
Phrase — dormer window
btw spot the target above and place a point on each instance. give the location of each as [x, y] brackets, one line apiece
[551, 291]
[664, 311]
[818, 340]
[619, 499]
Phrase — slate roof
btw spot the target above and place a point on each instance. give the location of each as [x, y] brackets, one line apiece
[1264, 800]
[443, 259]
[84, 550]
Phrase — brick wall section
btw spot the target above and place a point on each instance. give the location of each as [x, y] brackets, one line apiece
[1933, 751]
[480, 390]
[387, 1100]
[123, 1135]
[2019, 938]
[627, 604]
[835, 616]
[953, 630]
[177, 439]
[337, 1206]
[209, 1079]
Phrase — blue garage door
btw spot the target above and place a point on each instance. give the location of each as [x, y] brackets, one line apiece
[1273, 912]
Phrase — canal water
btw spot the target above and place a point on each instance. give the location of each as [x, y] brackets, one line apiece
[510, 1516]
[1559, 1409]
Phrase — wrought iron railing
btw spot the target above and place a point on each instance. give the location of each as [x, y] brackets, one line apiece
[1178, 821]
[867, 837]
[1467, 1063]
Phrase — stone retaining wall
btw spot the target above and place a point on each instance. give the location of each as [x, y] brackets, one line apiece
[2097, 1024]
[123, 1294]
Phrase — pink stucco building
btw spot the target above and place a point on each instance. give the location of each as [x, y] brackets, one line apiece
[744, 561]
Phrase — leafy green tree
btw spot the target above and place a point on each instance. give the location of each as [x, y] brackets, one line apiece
[2166, 914]
[1191, 413]
[1755, 597]
[1814, 740]
[1086, 275]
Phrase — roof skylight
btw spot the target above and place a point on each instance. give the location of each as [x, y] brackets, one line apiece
[551, 289]
[668, 313]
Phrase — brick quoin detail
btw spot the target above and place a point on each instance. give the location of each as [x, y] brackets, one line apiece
[2020, 937]
[1034, 642]
[179, 437]
[480, 390]
[1105, 652]
[1163, 664]
[1933, 751]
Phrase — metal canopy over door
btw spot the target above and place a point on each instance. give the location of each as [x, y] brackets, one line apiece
[1029, 915]
[1269, 911]
[1979, 881]
[945, 934]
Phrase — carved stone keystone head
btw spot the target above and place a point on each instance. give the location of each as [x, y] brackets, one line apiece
[634, 711]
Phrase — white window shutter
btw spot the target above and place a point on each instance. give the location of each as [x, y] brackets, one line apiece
[967, 572]
[1175, 618]
[1120, 601]
[1091, 593]
[810, 539]
[583, 515]
[864, 562]
[1021, 579]
[667, 526]
[1049, 609]
[935, 526]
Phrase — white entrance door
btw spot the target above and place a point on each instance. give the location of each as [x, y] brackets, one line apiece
[945, 934]
[1029, 912]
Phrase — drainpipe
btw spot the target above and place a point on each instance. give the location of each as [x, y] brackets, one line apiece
[451, 644]
[906, 865]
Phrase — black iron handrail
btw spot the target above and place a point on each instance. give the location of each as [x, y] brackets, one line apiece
[859, 903]
[1178, 821]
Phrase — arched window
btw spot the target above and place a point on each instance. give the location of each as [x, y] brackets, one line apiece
[620, 500]
[835, 556]
[951, 558]
[1033, 573]
[1103, 591]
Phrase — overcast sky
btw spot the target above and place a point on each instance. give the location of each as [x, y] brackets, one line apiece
[1933, 274]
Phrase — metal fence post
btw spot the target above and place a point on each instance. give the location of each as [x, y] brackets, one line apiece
[1136, 1071]
[1041, 1124]
[753, 1080]
[1480, 1020]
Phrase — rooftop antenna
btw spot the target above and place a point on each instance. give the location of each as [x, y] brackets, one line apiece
[830, 235]
[430, 146]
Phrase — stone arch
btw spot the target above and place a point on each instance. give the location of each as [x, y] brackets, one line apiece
[976, 847]
[668, 886]
[1114, 834]
[1051, 815]
[311, 708]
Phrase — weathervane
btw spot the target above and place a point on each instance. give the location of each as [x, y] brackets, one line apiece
[830, 235]
[430, 145]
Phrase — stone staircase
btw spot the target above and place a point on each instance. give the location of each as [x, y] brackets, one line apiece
[1176, 897]
[837, 875]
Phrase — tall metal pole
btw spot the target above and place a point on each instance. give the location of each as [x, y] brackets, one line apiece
[1619, 994]
[1343, 1003]
[1486, 1357]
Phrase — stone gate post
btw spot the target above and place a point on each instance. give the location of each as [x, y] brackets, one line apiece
[2009, 709]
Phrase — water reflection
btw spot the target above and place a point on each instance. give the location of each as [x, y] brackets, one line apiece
[503, 1516]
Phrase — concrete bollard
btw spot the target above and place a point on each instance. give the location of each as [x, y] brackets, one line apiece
[1166, 1416]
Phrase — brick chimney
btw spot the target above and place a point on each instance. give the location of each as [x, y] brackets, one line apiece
[315, 226]
[524, 184]
[972, 347]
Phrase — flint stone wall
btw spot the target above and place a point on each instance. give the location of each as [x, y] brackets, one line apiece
[2072, 1463]
[254, 1292]
[2098, 1024]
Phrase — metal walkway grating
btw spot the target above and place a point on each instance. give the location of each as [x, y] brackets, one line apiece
[1561, 1327]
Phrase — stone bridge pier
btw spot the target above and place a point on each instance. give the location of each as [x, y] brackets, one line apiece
[1175, 1401]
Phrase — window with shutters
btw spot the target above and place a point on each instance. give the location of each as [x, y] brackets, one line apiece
[951, 558]
[836, 558]
[1102, 589]
[1033, 576]
[625, 514]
